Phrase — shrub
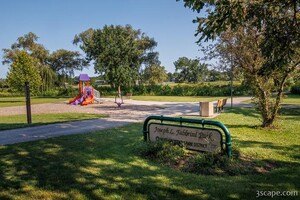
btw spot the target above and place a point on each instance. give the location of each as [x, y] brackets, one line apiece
[167, 90]
[67, 92]
[207, 163]
[51, 93]
[8, 92]
[178, 90]
[177, 157]
[162, 151]
[201, 89]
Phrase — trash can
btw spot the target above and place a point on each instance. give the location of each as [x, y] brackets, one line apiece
[206, 109]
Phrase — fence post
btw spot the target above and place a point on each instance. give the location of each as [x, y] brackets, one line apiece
[28, 108]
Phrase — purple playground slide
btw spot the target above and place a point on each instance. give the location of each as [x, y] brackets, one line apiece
[78, 101]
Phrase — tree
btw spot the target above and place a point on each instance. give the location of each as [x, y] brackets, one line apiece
[117, 52]
[24, 68]
[155, 74]
[261, 38]
[215, 75]
[59, 63]
[170, 77]
[28, 43]
[190, 70]
[65, 62]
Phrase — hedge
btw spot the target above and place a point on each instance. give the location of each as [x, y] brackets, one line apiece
[178, 90]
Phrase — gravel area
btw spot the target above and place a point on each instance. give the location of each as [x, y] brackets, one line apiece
[107, 107]
[132, 110]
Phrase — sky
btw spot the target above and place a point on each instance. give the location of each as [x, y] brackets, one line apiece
[56, 22]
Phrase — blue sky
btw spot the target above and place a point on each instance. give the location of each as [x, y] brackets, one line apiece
[56, 22]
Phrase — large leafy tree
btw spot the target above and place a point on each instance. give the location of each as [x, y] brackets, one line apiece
[155, 74]
[190, 70]
[118, 52]
[261, 38]
[24, 69]
[60, 63]
[28, 43]
[217, 75]
[65, 62]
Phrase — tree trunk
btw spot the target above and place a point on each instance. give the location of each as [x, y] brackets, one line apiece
[270, 109]
[119, 91]
[276, 106]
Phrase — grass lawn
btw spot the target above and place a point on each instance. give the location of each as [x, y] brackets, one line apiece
[105, 165]
[292, 99]
[20, 101]
[175, 98]
[20, 121]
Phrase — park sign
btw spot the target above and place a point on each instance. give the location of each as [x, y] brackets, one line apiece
[200, 139]
[195, 138]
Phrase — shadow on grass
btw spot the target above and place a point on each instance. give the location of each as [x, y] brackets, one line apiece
[10, 101]
[286, 113]
[8, 126]
[280, 149]
[251, 112]
[104, 166]
[290, 112]
[42, 119]
[92, 167]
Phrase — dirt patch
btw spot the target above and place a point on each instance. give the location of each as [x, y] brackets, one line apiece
[109, 108]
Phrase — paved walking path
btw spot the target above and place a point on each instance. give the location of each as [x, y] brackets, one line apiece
[54, 130]
[68, 128]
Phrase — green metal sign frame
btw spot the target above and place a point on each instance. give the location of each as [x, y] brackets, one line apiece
[181, 120]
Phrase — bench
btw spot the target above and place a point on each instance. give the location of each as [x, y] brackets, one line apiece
[220, 105]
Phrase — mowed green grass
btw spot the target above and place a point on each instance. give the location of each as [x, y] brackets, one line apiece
[21, 101]
[105, 165]
[20, 121]
[175, 98]
[291, 99]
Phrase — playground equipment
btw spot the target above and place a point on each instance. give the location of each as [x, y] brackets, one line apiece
[97, 96]
[86, 92]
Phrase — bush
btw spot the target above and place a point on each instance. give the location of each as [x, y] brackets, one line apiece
[7, 92]
[51, 93]
[162, 151]
[207, 163]
[202, 89]
[177, 157]
[67, 92]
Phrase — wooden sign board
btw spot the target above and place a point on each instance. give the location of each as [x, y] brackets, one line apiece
[201, 139]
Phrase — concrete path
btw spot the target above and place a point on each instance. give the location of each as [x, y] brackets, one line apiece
[54, 130]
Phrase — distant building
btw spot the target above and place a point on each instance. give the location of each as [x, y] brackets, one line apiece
[100, 82]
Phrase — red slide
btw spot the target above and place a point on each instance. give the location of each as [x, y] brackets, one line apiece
[77, 97]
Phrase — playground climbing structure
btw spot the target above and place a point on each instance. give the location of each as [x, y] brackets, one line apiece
[86, 92]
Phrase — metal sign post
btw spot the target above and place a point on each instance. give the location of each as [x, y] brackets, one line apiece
[28, 108]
